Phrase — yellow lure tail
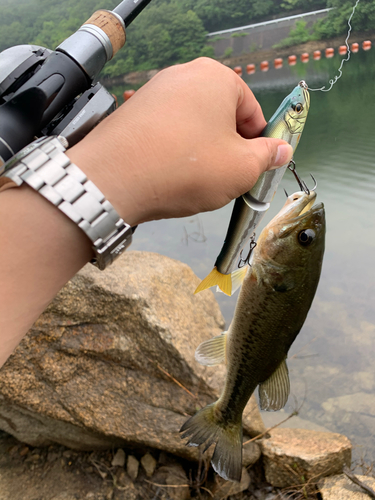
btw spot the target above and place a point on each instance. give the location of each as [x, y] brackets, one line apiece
[215, 278]
[228, 283]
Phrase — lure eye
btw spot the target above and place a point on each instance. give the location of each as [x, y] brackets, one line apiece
[306, 237]
[298, 107]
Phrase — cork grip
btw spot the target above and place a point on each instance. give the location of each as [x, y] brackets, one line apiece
[109, 23]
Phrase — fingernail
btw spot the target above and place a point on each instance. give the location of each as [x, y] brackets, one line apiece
[283, 156]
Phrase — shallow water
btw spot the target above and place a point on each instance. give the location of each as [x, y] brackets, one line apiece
[332, 361]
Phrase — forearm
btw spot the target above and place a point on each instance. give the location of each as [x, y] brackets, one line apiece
[41, 249]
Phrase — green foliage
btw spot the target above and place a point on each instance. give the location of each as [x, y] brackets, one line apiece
[228, 52]
[238, 35]
[336, 23]
[300, 34]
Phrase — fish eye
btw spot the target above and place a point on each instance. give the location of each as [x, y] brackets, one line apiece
[306, 236]
[298, 107]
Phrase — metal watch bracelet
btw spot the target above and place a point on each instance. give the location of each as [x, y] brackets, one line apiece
[45, 167]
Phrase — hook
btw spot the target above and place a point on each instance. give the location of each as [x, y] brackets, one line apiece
[242, 261]
[301, 183]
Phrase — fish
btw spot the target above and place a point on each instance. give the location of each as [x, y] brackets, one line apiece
[287, 123]
[271, 309]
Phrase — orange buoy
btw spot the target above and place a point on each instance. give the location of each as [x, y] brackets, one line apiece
[292, 60]
[128, 94]
[264, 66]
[278, 63]
[355, 47]
[238, 70]
[305, 57]
[366, 45]
[342, 50]
[317, 55]
[330, 52]
[250, 69]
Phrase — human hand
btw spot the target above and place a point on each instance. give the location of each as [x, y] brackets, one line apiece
[186, 142]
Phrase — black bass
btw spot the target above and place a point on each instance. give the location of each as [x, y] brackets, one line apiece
[287, 123]
[272, 306]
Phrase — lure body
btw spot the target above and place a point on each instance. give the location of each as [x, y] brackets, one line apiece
[287, 123]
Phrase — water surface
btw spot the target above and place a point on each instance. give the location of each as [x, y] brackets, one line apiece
[332, 361]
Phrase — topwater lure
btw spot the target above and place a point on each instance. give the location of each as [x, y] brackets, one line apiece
[287, 123]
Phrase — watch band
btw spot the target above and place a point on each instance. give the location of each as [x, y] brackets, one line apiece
[45, 167]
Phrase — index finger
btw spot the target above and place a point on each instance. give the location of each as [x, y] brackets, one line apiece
[249, 114]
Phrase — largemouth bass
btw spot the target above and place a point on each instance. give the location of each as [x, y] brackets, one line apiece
[287, 123]
[272, 306]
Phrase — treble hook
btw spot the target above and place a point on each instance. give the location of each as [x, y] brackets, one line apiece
[242, 261]
[301, 183]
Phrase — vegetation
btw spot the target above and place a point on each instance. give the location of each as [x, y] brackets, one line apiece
[168, 31]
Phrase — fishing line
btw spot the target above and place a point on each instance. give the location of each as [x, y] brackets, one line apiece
[334, 80]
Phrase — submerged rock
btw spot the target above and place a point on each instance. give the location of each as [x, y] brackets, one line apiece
[341, 488]
[111, 363]
[293, 456]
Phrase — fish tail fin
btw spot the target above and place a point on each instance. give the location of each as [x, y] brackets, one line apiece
[227, 283]
[205, 428]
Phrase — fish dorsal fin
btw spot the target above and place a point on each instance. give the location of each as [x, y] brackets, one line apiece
[212, 352]
[274, 392]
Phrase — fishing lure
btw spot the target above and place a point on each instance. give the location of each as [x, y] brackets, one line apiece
[287, 123]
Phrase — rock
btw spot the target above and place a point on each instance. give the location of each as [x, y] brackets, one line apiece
[110, 363]
[341, 488]
[176, 483]
[149, 464]
[224, 489]
[251, 453]
[119, 458]
[132, 467]
[292, 456]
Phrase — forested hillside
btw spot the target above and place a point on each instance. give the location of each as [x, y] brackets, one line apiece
[167, 31]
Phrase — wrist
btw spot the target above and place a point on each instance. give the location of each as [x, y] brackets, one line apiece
[103, 168]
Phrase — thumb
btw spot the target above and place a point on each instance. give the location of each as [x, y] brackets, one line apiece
[271, 153]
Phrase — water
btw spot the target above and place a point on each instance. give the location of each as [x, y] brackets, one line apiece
[331, 363]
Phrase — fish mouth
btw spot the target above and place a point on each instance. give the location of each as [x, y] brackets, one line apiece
[296, 205]
[299, 209]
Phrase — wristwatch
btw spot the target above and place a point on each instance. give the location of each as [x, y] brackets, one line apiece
[45, 167]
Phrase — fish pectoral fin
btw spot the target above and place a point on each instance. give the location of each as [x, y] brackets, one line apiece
[274, 392]
[223, 281]
[212, 352]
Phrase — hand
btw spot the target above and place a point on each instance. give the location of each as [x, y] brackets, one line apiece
[184, 143]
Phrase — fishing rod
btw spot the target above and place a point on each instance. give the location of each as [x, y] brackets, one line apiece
[47, 92]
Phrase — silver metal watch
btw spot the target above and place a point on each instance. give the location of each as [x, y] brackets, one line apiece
[45, 167]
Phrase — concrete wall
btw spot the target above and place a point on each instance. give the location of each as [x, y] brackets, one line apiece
[247, 39]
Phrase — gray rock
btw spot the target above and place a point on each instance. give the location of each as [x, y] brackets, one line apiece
[292, 456]
[132, 467]
[119, 458]
[223, 489]
[149, 464]
[341, 488]
[111, 363]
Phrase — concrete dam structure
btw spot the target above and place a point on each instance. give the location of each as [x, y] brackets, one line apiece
[261, 36]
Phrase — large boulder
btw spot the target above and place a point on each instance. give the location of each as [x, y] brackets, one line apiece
[111, 361]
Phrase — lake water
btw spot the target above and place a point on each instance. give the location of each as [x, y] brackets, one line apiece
[332, 362]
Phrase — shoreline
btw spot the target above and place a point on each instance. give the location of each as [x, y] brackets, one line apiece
[138, 78]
